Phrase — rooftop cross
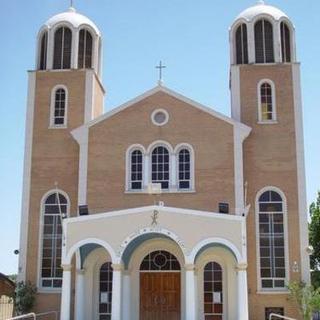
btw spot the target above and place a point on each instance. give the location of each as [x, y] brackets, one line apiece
[160, 67]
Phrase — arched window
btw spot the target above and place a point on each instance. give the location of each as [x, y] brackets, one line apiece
[85, 49]
[58, 108]
[55, 206]
[184, 169]
[160, 162]
[267, 110]
[43, 51]
[160, 261]
[271, 240]
[62, 48]
[105, 297]
[136, 166]
[263, 34]
[242, 44]
[213, 291]
[285, 42]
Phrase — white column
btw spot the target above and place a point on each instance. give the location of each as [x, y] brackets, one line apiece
[251, 44]
[173, 171]
[126, 294]
[75, 49]
[190, 292]
[66, 293]
[80, 295]
[243, 312]
[146, 173]
[116, 292]
[277, 42]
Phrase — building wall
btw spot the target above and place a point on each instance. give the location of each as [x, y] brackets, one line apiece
[211, 139]
[270, 160]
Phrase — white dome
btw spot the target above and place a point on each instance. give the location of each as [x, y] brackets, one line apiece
[259, 9]
[72, 17]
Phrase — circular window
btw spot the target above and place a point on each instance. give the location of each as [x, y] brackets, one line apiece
[160, 117]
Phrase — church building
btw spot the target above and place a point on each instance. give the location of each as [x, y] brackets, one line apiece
[163, 208]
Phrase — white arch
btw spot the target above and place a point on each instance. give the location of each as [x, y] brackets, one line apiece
[232, 39]
[159, 143]
[67, 256]
[224, 242]
[274, 100]
[292, 37]
[285, 226]
[169, 234]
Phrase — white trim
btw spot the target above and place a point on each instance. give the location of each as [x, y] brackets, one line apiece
[41, 224]
[103, 215]
[302, 198]
[192, 256]
[286, 239]
[174, 94]
[157, 111]
[235, 93]
[274, 102]
[89, 96]
[67, 256]
[25, 202]
[52, 125]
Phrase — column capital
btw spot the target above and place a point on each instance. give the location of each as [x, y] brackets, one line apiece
[242, 267]
[81, 271]
[66, 267]
[117, 267]
[189, 267]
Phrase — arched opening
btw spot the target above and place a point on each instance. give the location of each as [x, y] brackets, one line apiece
[160, 286]
[264, 45]
[136, 170]
[242, 44]
[85, 52]
[160, 166]
[267, 108]
[62, 48]
[58, 113]
[43, 51]
[285, 42]
[105, 291]
[184, 169]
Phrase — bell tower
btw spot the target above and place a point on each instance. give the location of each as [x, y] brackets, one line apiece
[266, 95]
[64, 92]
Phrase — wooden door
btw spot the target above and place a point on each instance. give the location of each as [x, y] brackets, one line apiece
[160, 295]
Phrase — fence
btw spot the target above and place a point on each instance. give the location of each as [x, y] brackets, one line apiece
[316, 316]
[6, 307]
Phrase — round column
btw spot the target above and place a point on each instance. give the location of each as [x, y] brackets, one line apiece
[66, 293]
[243, 309]
[190, 292]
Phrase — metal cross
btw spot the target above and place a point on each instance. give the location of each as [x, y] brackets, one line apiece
[160, 67]
[71, 3]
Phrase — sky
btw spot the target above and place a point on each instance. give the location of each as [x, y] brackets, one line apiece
[189, 36]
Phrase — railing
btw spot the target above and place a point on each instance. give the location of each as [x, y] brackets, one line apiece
[274, 315]
[36, 316]
[316, 316]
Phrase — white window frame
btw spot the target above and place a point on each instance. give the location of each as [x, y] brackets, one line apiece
[52, 125]
[274, 102]
[41, 226]
[177, 150]
[147, 167]
[286, 241]
[131, 149]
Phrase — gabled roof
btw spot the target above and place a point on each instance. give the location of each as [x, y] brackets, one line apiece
[161, 88]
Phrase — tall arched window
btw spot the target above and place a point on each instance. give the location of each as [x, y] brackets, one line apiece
[271, 240]
[136, 172]
[285, 42]
[58, 108]
[267, 110]
[54, 207]
[263, 34]
[105, 297]
[85, 49]
[43, 51]
[213, 291]
[62, 48]
[242, 44]
[184, 169]
[160, 163]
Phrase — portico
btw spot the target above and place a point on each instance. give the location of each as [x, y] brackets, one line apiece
[189, 264]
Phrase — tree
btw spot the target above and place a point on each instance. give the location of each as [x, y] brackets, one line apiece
[314, 233]
[24, 298]
[306, 297]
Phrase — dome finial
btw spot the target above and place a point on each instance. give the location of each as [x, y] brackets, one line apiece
[260, 2]
[72, 8]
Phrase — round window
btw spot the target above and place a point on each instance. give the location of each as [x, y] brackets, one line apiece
[160, 117]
